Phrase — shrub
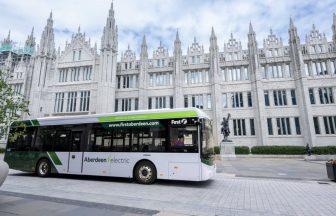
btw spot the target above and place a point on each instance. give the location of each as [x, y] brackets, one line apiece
[323, 150]
[2, 150]
[216, 150]
[285, 150]
[242, 150]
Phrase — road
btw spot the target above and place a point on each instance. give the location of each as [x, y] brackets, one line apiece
[227, 194]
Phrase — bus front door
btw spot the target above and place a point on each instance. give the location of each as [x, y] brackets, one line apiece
[75, 154]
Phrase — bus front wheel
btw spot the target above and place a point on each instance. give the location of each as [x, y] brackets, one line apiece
[145, 172]
[43, 168]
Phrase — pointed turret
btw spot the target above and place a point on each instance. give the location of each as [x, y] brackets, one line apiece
[9, 61]
[30, 42]
[47, 44]
[110, 32]
[213, 40]
[252, 40]
[7, 40]
[177, 44]
[144, 52]
[293, 36]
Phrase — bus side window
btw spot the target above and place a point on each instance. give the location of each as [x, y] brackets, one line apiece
[21, 139]
[63, 140]
[45, 139]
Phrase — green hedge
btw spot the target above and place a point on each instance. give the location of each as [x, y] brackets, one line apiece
[279, 150]
[216, 150]
[2, 150]
[238, 150]
[242, 150]
[324, 150]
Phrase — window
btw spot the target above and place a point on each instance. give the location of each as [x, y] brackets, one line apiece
[306, 69]
[158, 102]
[116, 105]
[252, 127]
[79, 54]
[316, 125]
[225, 105]
[329, 124]
[149, 103]
[249, 99]
[171, 102]
[311, 96]
[266, 95]
[197, 101]
[239, 128]
[235, 74]
[71, 103]
[161, 79]
[293, 97]
[136, 105]
[332, 67]
[237, 100]
[270, 127]
[283, 126]
[84, 104]
[59, 101]
[23, 140]
[297, 125]
[280, 98]
[326, 95]
[209, 101]
[185, 101]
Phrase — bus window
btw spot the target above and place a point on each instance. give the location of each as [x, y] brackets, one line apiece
[21, 139]
[45, 139]
[63, 140]
[184, 139]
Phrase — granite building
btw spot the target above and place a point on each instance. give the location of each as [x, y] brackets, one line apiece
[277, 94]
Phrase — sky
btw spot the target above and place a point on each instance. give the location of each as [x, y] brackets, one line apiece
[160, 19]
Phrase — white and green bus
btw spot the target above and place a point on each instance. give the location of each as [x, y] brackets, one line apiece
[144, 145]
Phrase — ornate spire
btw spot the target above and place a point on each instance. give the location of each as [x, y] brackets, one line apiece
[8, 39]
[251, 31]
[177, 44]
[47, 43]
[110, 32]
[293, 36]
[30, 42]
[213, 41]
[144, 52]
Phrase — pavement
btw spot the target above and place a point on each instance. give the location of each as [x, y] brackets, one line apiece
[260, 191]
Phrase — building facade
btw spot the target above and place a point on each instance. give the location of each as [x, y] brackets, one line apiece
[276, 94]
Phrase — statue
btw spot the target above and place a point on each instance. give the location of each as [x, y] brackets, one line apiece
[225, 130]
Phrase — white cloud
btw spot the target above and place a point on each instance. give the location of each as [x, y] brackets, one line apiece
[159, 19]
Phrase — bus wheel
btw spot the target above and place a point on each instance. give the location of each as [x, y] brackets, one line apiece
[145, 172]
[43, 168]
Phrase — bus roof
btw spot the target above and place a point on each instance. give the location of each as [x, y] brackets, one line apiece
[119, 116]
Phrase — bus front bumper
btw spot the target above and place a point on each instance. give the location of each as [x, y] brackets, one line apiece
[208, 171]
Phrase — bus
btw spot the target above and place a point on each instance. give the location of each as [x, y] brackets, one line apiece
[145, 145]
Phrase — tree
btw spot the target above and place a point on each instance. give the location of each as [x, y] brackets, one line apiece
[12, 105]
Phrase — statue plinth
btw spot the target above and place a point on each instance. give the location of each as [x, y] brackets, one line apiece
[227, 150]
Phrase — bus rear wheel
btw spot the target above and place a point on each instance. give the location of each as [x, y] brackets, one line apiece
[43, 168]
[145, 172]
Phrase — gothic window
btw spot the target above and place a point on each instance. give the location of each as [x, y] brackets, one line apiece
[329, 124]
[249, 99]
[311, 96]
[297, 126]
[116, 105]
[84, 104]
[332, 67]
[185, 101]
[73, 55]
[326, 95]
[280, 98]
[71, 102]
[252, 128]
[307, 70]
[237, 99]
[266, 96]
[59, 100]
[225, 105]
[283, 126]
[209, 101]
[293, 95]
[79, 54]
[270, 126]
[197, 101]
[239, 128]
[316, 125]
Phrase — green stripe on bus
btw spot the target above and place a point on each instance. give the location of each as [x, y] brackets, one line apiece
[148, 116]
[55, 158]
[35, 122]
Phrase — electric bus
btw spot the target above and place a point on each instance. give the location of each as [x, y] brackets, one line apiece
[145, 145]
